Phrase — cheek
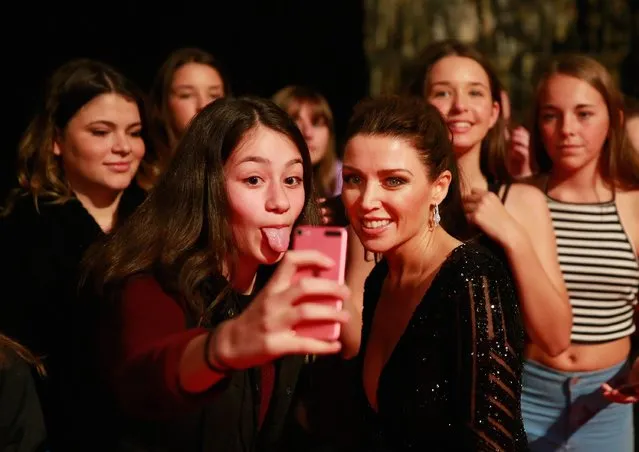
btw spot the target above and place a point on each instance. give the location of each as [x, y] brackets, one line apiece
[482, 109]
[596, 134]
[442, 104]
[296, 199]
[182, 112]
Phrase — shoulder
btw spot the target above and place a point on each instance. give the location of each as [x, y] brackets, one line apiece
[628, 208]
[142, 285]
[470, 260]
[526, 193]
[629, 199]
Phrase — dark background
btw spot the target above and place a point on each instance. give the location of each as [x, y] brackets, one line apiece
[265, 45]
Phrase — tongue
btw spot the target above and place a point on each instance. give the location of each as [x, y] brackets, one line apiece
[278, 238]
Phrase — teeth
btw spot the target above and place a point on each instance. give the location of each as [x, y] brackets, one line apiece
[376, 224]
[462, 125]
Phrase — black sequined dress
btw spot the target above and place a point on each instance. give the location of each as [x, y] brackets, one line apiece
[453, 381]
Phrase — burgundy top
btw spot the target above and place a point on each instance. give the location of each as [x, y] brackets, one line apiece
[152, 336]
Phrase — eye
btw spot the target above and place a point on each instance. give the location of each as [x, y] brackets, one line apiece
[585, 114]
[476, 93]
[548, 117]
[440, 93]
[136, 133]
[99, 132]
[293, 181]
[394, 181]
[351, 179]
[253, 181]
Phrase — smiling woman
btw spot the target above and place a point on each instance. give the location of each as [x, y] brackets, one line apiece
[78, 161]
[442, 338]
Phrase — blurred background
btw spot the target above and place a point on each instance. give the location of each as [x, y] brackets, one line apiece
[347, 49]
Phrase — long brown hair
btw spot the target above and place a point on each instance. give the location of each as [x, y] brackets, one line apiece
[618, 162]
[493, 158]
[162, 134]
[290, 99]
[8, 344]
[70, 87]
[420, 124]
[181, 234]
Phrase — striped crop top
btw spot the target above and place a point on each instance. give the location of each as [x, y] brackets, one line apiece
[600, 269]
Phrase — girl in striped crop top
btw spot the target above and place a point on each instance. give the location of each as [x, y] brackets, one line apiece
[591, 180]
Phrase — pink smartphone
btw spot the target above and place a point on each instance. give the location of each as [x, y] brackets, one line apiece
[331, 241]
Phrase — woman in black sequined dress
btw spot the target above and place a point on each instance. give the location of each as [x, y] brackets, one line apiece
[442, 337]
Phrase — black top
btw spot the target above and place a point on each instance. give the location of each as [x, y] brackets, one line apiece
[41, 252]
[453, 381]
[21, 422]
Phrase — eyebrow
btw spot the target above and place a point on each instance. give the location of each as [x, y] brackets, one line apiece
[483, 85]
[189, 86]
[382, 172]
[112, 124]
[264, 161]
[554, 107]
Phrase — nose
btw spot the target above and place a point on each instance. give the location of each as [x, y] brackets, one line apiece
[277, 199]
[567, 125]
[306, 129]
[202, 101]
[460, 103]
[122, 143]
[369, 198]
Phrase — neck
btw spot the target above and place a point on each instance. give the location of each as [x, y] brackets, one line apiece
[102, 205]
[585, 185]
[410, 263]
[469, 166]
[243, 276]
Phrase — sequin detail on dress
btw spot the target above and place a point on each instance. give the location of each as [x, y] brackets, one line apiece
[453, 381]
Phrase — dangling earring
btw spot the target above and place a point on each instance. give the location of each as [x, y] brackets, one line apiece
[436, 217]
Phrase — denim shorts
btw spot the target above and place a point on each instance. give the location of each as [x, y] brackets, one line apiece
[566, 411]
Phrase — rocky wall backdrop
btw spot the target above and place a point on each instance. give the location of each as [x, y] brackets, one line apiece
[515, 34]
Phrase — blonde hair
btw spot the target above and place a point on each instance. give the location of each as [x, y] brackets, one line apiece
[290, 99]
[619, 163]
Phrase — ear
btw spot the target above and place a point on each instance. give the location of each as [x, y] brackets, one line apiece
[440, 187]
[494, 114]
[57, 143]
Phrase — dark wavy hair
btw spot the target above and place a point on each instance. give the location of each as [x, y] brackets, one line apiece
[181, 233]
[420, 124]
[70, 87]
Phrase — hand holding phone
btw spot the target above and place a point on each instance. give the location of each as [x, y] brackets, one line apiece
[331, 241]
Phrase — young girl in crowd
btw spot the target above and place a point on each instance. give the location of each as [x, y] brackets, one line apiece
[514, 217]
[442, 338]
[198, 349]
[188, 80]
[79, 160]
[591, 179]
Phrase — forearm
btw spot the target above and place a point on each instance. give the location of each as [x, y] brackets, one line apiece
[194, 374]
[546, 308]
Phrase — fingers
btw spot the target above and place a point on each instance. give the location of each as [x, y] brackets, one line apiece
[290, 343]
[615, 396]
[317, 313]
[316, 289]
[292, 262]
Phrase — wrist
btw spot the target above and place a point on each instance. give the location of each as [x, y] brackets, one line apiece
[514, 239]
[216, 355]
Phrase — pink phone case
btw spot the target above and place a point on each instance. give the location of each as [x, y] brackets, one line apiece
[331, 241]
